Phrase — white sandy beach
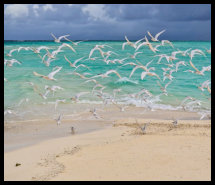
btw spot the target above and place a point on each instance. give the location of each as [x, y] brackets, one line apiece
[116, 151]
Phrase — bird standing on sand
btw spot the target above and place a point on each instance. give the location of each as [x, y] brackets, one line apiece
[175, 123]
[143, 129]
[59, 119]
[72, 130]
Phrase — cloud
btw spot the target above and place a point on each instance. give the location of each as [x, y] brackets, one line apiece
[17, 10]
[97, 12]
[107, 21]
[49, 7]
[35, 9]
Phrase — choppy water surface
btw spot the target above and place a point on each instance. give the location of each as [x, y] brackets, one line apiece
[20, 96]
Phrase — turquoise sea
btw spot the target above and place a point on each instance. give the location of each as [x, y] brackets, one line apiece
[20, 96]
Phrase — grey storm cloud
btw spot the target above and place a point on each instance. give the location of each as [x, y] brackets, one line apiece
[107, 21]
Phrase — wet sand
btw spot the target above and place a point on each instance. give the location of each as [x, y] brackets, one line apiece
[113, 148]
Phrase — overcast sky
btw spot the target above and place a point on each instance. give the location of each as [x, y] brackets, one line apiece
[107, 21]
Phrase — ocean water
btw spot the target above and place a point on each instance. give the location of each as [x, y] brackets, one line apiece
[20, 96]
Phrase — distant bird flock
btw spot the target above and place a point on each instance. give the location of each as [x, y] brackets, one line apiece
[105, 52]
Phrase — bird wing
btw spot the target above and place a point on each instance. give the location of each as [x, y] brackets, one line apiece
[126, 39]
[82, 65]
[91, 52]
[167, 84]
[150, 34]
[159, 84]
[123, 45]
[143, 74]
[11, 51]
[53, 36]
[69, 46]
[205, 69]
[81, 94]
[51, 75]
[37, 74]
[142, 44]
[154, 74]
[151, 48]
[158, 34]
[137, 53]
[68, 61]
[76, 61]
[193, 66]
[64, 36]
[134, 69]
[138, 41]
[149, 63]
[209, 90]
[113, 71]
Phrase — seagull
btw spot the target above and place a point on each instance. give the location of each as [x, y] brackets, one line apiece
[168, 42]
[82, 76]
[94, 49]
[53, 54]
[57, 40]
[164, 88]
[72, 130]
[66, 45]
[142, 67]
[53, 88]
[37, 50]
[48, 61]
[122, 108]
[91, 80]
[148, 44]
[116, 91]
[93, 111]
[105, 75]
[143, 129]
[9, 111]
[59, 101]
[169, 76]
[59, 119]
[209, 90]
[185, 99]
[179, 63]
[134, 45]
[50, 75]
[11, 62]
[205, 84]
[119, 60]
[77, 96]
[196, 51]
[175, 122]
[143, 74]
[74, 63]
[135, 54]
[200, 72]
[208, 50]
[76, 43]
[155, 39]
[11, 51]
[185, 53]
[205, 114]
[24, 48]
[98, 85]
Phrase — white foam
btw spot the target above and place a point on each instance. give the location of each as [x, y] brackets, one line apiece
[126, 80]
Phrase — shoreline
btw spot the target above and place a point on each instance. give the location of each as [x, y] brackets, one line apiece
[117, 151]
[18, 134]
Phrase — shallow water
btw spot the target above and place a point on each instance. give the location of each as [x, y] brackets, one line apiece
[184, 84]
